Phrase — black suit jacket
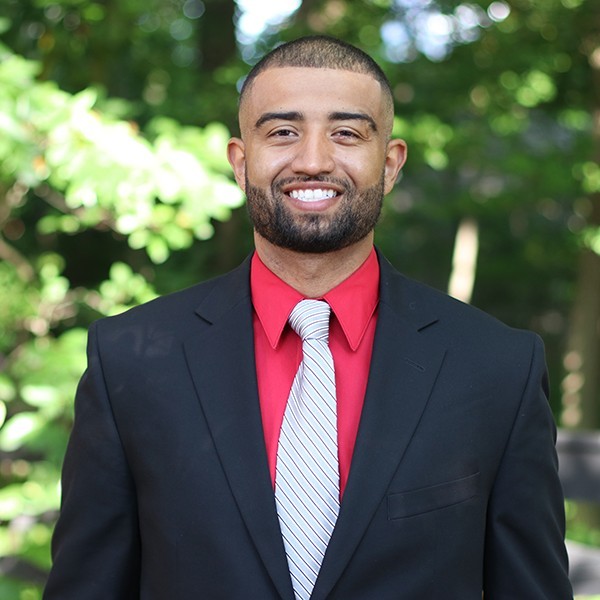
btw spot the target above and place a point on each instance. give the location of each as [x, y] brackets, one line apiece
[453, 487]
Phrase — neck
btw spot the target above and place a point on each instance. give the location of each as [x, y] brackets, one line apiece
[313, 275]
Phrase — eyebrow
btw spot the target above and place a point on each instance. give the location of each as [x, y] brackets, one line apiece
[298, 116]
[278, 116]
[351, 116]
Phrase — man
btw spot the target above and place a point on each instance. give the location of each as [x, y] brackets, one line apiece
[178, 481]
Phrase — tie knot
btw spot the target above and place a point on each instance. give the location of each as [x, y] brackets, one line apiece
[310, 319]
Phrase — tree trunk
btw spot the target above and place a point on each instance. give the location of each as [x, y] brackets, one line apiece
[581, 385]
[217, 36]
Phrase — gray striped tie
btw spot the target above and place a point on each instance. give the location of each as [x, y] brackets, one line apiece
[307, 476]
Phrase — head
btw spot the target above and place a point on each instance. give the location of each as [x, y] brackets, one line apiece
[315, 156]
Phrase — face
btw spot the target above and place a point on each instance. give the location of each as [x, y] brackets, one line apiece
[315, 159]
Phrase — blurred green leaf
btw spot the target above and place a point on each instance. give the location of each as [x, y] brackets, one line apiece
[17, 430]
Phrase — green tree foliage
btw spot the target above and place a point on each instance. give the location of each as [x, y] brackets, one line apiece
[165, 57]
[113, 122]
[67, 169]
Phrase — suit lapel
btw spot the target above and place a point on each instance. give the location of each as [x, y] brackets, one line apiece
[404, 367]
[220, 356]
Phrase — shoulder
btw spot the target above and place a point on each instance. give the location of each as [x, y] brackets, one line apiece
[176, 312]
[457, 325]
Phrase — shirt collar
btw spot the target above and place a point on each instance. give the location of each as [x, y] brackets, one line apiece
[353, 301]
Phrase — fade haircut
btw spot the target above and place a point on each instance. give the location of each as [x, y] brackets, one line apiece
[320, 52]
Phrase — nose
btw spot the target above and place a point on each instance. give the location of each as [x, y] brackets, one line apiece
[314, 155]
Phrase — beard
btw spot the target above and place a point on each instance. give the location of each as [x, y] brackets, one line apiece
[354, 218]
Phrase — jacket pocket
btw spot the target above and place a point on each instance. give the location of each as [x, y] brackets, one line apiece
[424, 500]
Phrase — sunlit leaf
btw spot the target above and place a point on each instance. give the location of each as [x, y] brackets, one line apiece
[18, 429]
[7, 388]
[40, 395]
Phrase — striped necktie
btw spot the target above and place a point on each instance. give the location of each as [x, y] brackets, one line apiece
[307, 476]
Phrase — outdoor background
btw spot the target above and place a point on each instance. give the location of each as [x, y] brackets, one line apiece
[114, 116]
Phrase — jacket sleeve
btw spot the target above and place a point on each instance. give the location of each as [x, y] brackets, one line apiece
[95, 548]
[525, 555]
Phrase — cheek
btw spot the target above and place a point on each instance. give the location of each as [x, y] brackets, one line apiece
[265, 166]
[364, 172]
[364, 164]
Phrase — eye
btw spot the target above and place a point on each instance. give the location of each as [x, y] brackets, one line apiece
[283, 132]
[347, 134]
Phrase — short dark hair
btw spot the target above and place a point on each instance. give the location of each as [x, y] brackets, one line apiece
[319, 52]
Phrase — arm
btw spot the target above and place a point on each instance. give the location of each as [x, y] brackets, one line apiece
[95, 548]
[525, 553]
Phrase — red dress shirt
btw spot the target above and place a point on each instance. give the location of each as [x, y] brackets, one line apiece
[278, 350]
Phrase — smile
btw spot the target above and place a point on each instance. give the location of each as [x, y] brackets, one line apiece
[312, 195]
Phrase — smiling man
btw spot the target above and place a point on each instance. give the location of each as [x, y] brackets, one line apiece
[313, 424]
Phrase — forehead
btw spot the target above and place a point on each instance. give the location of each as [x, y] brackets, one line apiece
[311, 91]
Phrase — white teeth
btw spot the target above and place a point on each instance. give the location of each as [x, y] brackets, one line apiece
[312, 195]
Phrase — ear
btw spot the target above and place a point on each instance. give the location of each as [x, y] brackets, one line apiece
[236, 155]
[394, 161]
